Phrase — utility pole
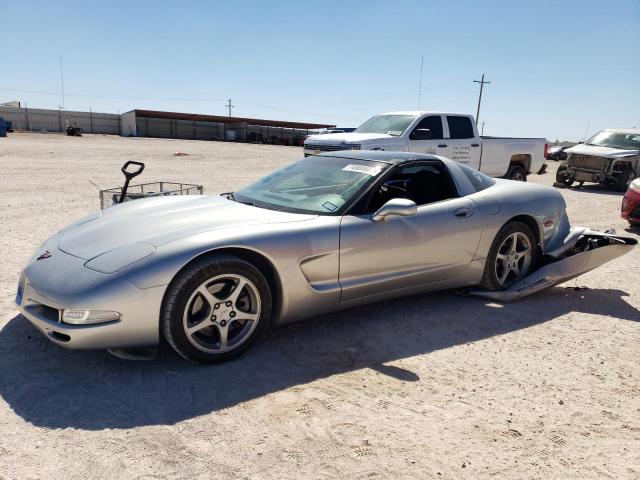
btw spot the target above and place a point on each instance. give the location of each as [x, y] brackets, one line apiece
[229, 106]
[420, 87]
[482, 84]
[62, 81]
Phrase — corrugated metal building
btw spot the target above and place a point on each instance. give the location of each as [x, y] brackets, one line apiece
[45, 120]
[190, 126]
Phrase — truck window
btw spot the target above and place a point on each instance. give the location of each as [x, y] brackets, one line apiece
[460, 127]
[434, 126]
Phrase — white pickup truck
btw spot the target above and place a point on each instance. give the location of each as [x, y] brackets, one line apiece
[450, 135]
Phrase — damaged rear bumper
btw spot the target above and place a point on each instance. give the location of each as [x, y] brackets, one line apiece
[582, 251]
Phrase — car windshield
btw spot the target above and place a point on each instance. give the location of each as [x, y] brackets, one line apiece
[389, 124]
[315, 185]
[625, 141]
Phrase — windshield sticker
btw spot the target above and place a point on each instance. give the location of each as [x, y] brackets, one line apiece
[329, 206]
[366, 169]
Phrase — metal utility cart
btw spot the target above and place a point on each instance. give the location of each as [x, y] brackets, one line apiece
[113, 196]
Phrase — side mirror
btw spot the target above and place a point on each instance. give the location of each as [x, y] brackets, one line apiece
[401, 207]
[420, 134]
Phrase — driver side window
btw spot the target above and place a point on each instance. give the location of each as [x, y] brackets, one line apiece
[429, 128]
[423, 184]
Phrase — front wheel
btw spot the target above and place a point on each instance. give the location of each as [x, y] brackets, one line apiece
[216, 309]
[563, 179]
[624, 180]
[512, 257]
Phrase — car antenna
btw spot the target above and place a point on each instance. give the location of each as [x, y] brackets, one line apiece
[585, 132]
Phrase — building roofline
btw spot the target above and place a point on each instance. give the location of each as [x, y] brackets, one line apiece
[222, 119]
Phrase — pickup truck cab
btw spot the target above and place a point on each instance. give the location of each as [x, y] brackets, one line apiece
[451, 135]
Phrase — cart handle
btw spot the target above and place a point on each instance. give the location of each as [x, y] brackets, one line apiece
[135, 173]
[129, 175]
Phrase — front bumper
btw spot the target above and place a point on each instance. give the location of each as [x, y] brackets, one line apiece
[583, 175]
[60, 282]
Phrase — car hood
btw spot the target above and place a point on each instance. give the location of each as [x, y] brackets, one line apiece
[346, 137]
[161, 220]
[604, 152]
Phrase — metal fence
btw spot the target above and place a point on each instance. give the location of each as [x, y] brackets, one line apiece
[43, 120]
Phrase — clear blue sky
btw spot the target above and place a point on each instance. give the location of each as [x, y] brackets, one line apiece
[554, 66]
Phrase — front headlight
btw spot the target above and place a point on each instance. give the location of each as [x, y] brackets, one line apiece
[120, 257]
[84, 317]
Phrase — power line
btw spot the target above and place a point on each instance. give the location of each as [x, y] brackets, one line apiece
[113, 97]
[482, 84]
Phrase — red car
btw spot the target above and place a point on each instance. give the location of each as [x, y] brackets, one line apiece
[631, 203]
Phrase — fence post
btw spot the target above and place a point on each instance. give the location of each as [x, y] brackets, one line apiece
[90, 121]
[26, 114]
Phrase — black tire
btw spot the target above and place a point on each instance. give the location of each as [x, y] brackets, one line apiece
[561, 178]
[624, 180]
[184, 286]
[517, 173]
[490, 279]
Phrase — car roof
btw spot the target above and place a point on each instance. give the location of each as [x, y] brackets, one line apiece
[380, 156]
[423, 112]
[626, 131]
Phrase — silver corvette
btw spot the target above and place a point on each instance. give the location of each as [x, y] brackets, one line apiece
[209, 274]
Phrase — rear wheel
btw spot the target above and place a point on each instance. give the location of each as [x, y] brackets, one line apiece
[624, 180]
[517, 173]
[512, 256]
[216, 309]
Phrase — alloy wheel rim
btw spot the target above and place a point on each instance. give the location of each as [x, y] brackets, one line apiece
[221, 313]
[513, 259]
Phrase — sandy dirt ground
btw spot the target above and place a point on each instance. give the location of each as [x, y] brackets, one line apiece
[433, 386]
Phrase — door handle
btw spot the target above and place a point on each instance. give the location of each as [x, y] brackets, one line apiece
[463, 213]
[475, 144]
[442, 145]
